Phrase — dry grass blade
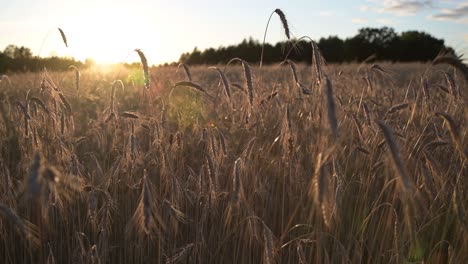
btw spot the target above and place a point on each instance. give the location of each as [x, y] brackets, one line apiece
[317, 187]
[397, 108]
[39, 102]
[110, 117]
[129, 115]
[239, 87]
[248, 81]
[66, 103]
[236, 183]
[454, 134]
[248, 78]
[454, 61]
[192, 85]
[425, 89]
[24, 109]
[378, 68]
[363, 150]
[64, 38]
[177, 258]
[396, 157]
[4, 77]
[451, 84]
[317, 58]
[145, 217]
[300, 253]
[368, 82]
[33, 185]
[224, 80]
[28, 230]
[144, 63]
[186, 69]
[304, 89]
[458, 205]
[293, 70]
[269, 97]
[331, 108]
[367, 113]
[269, 255]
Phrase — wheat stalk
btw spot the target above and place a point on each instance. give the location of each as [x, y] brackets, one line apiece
[145, 218]
[318, 183]
[331, 108]
[237, 185]
[285, 24]
[239, 87]
[396, 108]
[248, 78]
[39, 102]
[28, 230]
[224, 80]
[192, 85]
[129, 115]
[396, 157]
[77, 76]
[454, 134]
[144, 63]
[451, 84]
[269, 245]
[66, 103]
[454, 61]
[317, 58]
[186, 69]
[293, 67]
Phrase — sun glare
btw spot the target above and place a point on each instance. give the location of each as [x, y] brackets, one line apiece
[104, 38]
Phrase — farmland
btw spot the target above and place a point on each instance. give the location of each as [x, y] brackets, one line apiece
[360, 163]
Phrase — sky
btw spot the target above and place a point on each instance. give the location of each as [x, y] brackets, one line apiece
[108, 31]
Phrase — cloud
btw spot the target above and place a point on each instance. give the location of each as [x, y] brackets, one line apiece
[384, 21]
[365, 8]
[405, 7]
[359, 21]
[325, 13]
[459, 14]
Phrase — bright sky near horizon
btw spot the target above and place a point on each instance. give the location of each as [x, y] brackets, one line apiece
[108, 31]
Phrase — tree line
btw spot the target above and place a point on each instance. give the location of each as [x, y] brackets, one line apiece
[20, 59]
[381, 43]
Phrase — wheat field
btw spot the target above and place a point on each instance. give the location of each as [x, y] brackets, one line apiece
[352, 163]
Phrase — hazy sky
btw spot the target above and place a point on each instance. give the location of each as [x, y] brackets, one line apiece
[109, 30]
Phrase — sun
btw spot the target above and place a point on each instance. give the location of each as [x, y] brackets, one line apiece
[110, 35]
[104, 38]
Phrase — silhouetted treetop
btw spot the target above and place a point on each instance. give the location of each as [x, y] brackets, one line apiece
[383, 42]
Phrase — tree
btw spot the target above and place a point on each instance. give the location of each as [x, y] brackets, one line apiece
[16, 52]
[332, 48]
[378, 37]
[417, 46]
[371, 41]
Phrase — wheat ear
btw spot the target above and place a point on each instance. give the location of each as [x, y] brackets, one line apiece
[64, 38]
[144, 63]
[186, 69]
[396, 157]
[285, 24]
[248, 78]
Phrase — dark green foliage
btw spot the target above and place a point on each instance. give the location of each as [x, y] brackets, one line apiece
[384, 43]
